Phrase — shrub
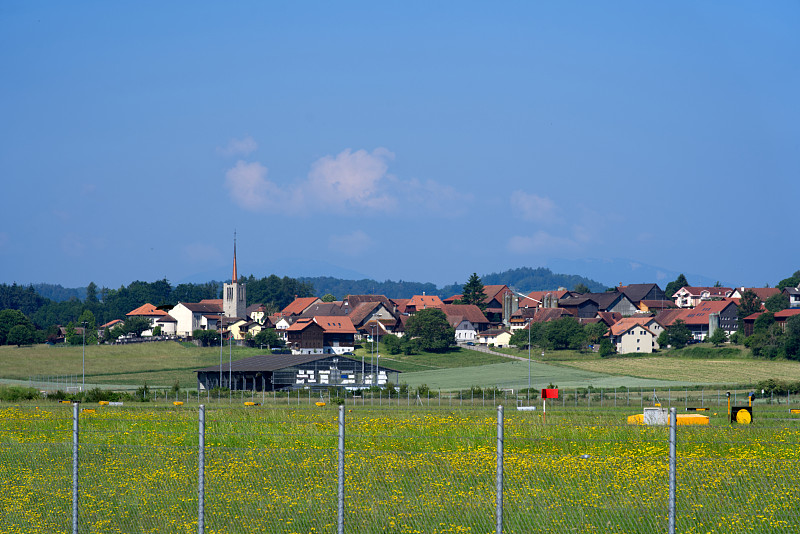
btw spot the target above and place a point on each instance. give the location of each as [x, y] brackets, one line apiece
[16, 393]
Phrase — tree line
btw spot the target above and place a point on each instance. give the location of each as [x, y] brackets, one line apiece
[39, 316]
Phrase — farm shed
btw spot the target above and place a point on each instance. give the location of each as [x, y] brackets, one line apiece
[294, 371]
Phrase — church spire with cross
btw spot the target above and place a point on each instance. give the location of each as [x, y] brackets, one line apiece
[235, 302]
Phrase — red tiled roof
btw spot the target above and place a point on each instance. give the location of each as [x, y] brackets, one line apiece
[791, 312]
[763, 293]
[626, 323]
[299, 305]
[425, 301]
[401, 304]
[470, 312]
[111, 323]
[335, 324]
[146, 310]
[301, 324]
[697, 315]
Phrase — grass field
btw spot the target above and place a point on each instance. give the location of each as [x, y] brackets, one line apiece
[159, 364]
[162, 364]
[738, 371]
[424, 470]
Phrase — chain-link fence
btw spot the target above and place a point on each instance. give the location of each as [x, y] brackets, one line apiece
[394, 469]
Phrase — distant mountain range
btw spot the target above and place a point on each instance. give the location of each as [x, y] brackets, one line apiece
[524, 279]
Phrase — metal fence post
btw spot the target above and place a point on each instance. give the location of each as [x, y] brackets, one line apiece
[499, 512]
[673, 424]
[75, 444]
[340, 528]
[201, 471]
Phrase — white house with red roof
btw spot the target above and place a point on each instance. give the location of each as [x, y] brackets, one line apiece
[691, 296]
[635, 335]
[149, 312]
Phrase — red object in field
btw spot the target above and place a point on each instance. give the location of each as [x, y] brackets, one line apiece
[549, 393]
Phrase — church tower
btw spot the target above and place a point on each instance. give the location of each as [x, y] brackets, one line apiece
[234, 303]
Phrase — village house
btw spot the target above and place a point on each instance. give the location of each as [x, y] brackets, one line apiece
[691, 296]
[635, 335]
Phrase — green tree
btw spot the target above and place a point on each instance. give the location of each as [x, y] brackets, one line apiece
[392, 344]
[718, 337]
[72, 336]
[91, 293]
[430, 329]
[606, 348]
[679, 334]
[777, 302]
[663, 339]
[792, 281]
[136, 325]
[20, 334]
[269, 338]
[675, 285]
[748, 305]
[581, 288]
[327, 297]
[763, 322]
[207, 338]
[8, 320]
[792, 340]
[595, 332]
[536, 335]
[473, 292]
[564, 333]
[87, 320]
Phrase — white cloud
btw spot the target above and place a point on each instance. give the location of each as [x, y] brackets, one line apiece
[540, 242]
[533, 207]
[238, 147]
[351, 179]
[349, 183]
[353, 244]
[248, 185]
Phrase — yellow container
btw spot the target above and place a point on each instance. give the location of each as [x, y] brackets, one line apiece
[103, 403]
[178, 403]
[320, 404]
[637, 419]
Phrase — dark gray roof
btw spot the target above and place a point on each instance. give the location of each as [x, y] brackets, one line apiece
[326, 309]
[637, 292]
[273, 362]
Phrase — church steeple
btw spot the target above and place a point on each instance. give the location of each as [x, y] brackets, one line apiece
[235, 301]
[234, 278]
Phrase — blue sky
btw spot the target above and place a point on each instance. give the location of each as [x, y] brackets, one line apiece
[412, 140]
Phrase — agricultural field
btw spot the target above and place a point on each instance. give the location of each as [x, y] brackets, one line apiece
[726, 371]
[122, 366]
[407, 470]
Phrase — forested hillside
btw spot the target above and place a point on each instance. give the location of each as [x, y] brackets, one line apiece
[524, 279]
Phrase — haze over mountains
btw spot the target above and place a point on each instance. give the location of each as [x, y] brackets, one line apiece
[523, 279]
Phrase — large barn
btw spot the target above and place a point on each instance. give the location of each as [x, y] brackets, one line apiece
[294, 371]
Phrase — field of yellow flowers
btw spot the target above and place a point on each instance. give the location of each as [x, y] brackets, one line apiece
[408, 470]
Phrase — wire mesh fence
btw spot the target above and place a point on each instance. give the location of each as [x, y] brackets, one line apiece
[406, 469]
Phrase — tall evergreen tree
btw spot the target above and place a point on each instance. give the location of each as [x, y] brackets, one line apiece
[473, 292]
